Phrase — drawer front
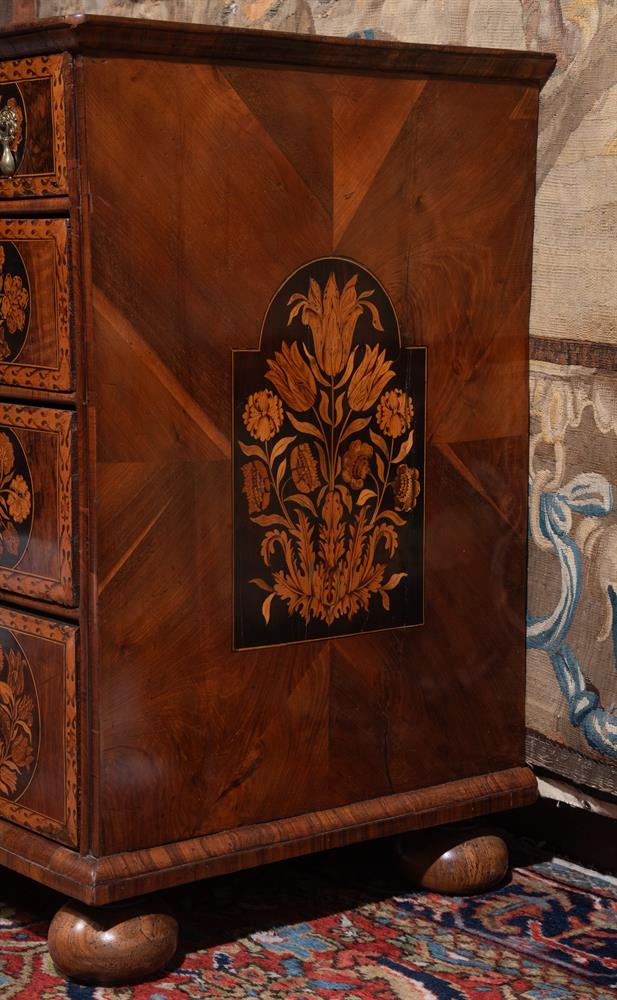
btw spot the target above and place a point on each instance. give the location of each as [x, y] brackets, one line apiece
[35, 350]
[38, 724]
[37, 503]
[33, 118]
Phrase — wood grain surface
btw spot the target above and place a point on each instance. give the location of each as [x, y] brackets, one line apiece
[103, 880]
[429, 185]
[48, 805]
[456, 861]
[188, 207]
[88, 33]
[38, 496]
[42, 161]
[38, 354]
[123, 944]
[575, 291]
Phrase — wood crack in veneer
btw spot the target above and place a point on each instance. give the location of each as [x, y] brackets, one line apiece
[263, 457]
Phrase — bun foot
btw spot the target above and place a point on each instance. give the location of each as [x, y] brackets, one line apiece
[455, 861]
[112, 944]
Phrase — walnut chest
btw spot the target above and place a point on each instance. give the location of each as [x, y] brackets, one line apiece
[263, 444]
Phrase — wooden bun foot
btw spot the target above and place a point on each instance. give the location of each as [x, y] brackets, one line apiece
[112, 945]
[453, 860]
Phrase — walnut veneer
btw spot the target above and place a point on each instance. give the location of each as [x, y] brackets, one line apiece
[263, 445]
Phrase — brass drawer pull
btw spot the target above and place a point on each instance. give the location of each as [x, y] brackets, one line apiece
[8, 131]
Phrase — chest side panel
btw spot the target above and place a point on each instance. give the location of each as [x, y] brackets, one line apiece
[208, 191]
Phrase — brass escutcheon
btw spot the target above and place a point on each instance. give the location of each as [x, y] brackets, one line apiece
[8, 131]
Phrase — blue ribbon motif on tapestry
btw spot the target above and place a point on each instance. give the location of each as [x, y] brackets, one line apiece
[590, 495]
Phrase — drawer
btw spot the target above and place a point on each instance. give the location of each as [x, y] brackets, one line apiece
[33, 119]
[35, 350]
[37, 503]
[38, 724]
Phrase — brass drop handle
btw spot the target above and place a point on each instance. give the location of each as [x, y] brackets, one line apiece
[8, 131]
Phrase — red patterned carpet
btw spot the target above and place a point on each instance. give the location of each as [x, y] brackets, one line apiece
[336, 926]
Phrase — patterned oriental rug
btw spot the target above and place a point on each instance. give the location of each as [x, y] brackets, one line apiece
[307, 929]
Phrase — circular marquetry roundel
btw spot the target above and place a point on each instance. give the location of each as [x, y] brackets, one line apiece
[15, 499]
[14, 302]
[19, 719]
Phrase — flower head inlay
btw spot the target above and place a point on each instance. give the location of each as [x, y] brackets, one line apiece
[18, 718]
[394, 413]
[290, 374]
[332, 316]
[263, 415]
[14, 301]
[15, 498]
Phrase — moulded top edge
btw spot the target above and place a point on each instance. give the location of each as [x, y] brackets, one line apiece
[99, 34]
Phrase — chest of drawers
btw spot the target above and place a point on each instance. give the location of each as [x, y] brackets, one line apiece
[263, 440]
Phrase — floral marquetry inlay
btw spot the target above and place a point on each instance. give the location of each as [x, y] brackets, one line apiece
[14, 302]
[15, 499]
[19, 718]
[329, 459]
